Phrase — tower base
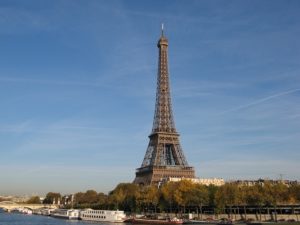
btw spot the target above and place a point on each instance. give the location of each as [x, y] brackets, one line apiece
[153, 175]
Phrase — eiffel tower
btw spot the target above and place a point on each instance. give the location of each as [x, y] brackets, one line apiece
[164, 157]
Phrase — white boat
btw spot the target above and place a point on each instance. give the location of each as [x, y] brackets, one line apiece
[46, 212]
[27, 211]
[70, 214]
[103, 215]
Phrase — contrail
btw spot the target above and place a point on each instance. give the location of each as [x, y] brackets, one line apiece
[260, 101]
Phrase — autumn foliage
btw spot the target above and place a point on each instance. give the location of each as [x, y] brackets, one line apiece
[184, 195]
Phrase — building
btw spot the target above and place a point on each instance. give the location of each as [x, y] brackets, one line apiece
[262, 182]
[164, 157]
[17, 199]
[203, 181]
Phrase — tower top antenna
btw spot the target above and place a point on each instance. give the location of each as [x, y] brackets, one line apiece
[162, 29]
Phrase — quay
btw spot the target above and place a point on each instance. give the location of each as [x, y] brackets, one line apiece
[9, 205]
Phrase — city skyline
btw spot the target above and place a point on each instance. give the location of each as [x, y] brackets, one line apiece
[78, 82]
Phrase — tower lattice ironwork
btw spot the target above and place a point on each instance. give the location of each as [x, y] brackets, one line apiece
[164, 157]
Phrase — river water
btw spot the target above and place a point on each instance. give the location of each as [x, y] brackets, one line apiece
[21, 219]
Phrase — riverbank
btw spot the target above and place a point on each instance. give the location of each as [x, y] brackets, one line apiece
[283, 218]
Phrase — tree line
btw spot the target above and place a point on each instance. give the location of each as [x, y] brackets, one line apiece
[182, 197]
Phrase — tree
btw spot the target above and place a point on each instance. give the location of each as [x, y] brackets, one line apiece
[212, 190]
[294, 194]
[102, 199]
[52, 197]
[168, 193]
[152, 196]
[276, 194]
[118, 196]
[183, 193]
[125, 196]
[90, 197]
[227, 195]
[200, 197]
[79, 198]
[147, 197]
[280, 193]
[34, 200]
[5, 199]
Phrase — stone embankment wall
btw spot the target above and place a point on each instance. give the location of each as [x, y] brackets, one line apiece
[253, 217]
[256, 217]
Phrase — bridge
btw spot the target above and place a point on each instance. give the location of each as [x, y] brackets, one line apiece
[8, 206]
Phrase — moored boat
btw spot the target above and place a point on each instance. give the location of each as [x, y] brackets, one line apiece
[70, 214]
[200, 221]
[46, 212]
[155, 221]
[103, 215]
[27, 211]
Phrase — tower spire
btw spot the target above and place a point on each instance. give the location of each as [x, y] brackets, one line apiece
[162, 29]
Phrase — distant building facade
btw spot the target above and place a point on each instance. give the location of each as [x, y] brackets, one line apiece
[263, 181]
[203, 181]
[221, 181]
[17, 199]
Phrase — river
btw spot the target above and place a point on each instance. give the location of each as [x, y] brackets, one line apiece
[21, 219]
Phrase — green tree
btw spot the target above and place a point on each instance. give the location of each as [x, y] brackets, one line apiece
[227, 195]
[275, 194]
[125, 196]
[168, 193]
[34, 200]
[118, 196]
[212, 190]
[102, 200]
[199, 197]
[90, 197]
[151, 196]
[79, 199]
[52, 197]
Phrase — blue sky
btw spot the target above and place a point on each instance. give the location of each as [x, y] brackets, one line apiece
[78, 81]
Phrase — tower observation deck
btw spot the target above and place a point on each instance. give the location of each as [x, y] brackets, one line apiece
[164, 157]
